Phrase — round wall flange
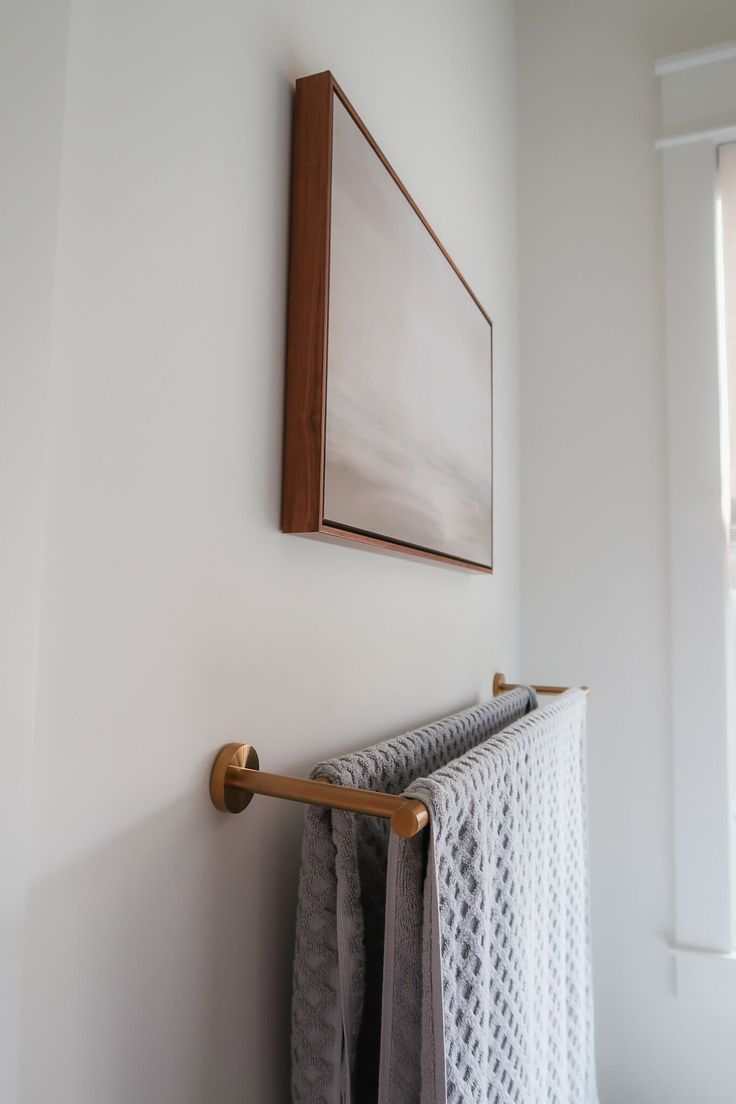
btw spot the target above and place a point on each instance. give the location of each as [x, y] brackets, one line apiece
[226, 798]
[498, 682]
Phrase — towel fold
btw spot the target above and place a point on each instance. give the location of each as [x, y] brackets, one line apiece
[338, 963]
[487, 976]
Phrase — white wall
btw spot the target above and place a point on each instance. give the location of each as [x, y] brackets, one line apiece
[594, 516]
[174, 615]
[32, 56]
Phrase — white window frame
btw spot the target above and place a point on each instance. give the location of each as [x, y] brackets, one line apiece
[698, 114]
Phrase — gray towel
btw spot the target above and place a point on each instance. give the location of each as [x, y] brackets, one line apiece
[487, 983]
[336, 1005]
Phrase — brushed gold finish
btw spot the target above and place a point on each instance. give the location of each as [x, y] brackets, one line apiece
[225, 797]
[410, 817]
[236, 778]
[500, 686]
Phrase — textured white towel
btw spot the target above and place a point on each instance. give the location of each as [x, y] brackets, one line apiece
[487, 976]
[336, 1004]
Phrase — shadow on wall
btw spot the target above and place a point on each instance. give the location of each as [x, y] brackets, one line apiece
[189, 1001]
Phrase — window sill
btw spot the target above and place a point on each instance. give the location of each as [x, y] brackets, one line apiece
[703, 975]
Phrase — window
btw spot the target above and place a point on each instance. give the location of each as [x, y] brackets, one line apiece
[697, 147]
[726, 230]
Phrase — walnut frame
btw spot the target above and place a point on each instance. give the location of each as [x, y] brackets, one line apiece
[302, 509]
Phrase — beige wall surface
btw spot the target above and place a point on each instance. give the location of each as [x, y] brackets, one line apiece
[174, 615]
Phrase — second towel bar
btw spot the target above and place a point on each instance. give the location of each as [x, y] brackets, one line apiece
[500, 686]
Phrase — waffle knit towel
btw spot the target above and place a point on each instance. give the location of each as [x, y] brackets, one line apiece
[336, 1004]
[487, 982]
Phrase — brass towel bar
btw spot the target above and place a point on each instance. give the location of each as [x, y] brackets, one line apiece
[236, 777]
[500, 686]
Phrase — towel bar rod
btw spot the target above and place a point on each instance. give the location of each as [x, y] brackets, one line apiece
[236, 778]
[500, 686]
